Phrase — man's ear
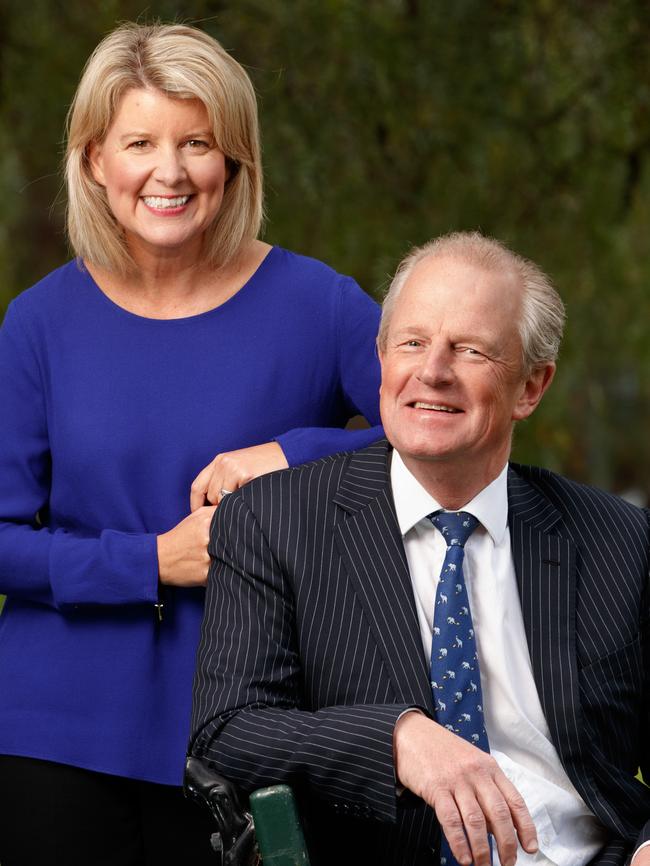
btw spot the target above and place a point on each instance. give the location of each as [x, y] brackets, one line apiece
[532, 391]
[96, 162]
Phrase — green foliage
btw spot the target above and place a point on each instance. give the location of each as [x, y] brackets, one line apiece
[386, 122]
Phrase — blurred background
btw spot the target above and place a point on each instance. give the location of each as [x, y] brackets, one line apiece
[387, 122]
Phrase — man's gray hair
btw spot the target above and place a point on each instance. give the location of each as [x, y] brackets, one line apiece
[542, 312]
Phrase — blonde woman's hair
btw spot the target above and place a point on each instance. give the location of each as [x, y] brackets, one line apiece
[184, 63]
[541, 322]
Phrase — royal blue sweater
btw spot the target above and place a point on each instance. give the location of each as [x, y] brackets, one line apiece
[105, 419]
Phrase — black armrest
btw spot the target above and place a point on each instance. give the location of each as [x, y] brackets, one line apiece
[234, 836]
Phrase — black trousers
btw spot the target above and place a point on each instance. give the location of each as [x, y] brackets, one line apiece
[57, 815]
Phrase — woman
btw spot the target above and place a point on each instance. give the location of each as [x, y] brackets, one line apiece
[175, 335]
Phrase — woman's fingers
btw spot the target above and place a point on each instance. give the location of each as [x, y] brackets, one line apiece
[183, 558]
[200, 486]
[232, 469]
[230, 473]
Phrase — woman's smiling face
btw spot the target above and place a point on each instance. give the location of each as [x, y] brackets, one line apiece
[162, 171]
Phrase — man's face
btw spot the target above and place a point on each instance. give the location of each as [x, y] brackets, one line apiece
[452, 373]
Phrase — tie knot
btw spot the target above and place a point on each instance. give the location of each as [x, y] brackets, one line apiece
[455, 526]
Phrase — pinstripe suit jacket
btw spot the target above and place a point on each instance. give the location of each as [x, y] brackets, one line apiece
[310, 649]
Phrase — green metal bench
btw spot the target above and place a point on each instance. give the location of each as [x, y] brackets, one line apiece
[265, 830]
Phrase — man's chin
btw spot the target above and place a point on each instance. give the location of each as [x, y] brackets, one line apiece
[427, 452]
[433, 442]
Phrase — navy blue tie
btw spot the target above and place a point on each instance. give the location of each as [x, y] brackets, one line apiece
[455, 674]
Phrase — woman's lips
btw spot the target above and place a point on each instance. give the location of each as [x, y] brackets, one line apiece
[166, 205]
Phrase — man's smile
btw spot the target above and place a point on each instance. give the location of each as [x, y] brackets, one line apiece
[434, 407]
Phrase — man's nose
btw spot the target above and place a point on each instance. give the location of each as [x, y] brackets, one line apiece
[170, 168]
[436, 367]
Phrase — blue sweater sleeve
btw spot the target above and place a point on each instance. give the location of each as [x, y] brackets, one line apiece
[59, 568]
[359, 379]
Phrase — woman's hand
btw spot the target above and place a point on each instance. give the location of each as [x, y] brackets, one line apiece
[183, 558]
[232, 469]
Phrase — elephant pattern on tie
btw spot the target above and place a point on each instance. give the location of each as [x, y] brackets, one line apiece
[455, 675]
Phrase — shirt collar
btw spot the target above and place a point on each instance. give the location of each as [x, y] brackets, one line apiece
[413, 503]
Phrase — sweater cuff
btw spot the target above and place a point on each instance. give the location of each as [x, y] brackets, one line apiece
[116, 568]
[311, 443]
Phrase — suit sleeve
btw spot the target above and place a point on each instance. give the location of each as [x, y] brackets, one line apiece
[358, 379]
[57, 568]
[247, 716]
[644, 836]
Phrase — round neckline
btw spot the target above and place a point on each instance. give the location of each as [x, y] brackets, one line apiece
[214, 311]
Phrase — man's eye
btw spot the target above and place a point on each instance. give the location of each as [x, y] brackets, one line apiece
[468, 350]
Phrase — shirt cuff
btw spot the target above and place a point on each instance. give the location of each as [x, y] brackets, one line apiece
[400, 789]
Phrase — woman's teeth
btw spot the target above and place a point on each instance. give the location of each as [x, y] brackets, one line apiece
[162, 203]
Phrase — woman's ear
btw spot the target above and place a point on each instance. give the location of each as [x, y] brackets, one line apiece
[96, 162]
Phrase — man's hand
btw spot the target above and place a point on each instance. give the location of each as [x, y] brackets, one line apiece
[183, 558]
[232, 469]
[468, 791]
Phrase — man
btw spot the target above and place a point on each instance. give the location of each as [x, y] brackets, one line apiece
[377, 621]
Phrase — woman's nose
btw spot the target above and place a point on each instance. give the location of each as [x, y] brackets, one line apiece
[170, 168]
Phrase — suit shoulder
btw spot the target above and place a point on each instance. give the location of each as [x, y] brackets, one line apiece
[286, 481]
[570, 496]
[319, 479]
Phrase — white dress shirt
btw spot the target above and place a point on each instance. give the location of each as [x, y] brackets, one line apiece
[568, 833]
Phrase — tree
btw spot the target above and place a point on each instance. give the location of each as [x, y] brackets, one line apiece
[387, 122]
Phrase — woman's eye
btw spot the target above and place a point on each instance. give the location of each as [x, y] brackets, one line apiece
[140, 144]
[198, 144]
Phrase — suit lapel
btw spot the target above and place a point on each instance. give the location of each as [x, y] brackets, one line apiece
[545, 565]
[369, 541]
